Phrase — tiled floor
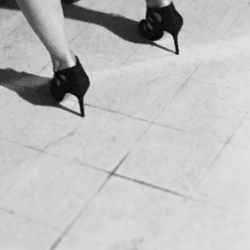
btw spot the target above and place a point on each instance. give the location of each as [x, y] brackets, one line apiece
[161, 161]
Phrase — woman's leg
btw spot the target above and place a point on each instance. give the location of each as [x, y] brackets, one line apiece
[157, 3]
[47, 20]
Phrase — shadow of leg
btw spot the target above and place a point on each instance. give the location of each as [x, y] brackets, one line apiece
[31, 88]
[125, 28]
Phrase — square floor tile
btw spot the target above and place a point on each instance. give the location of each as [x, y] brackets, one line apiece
[197, 226]
[215, 16]
[136, 94]
[170, 159]
[206, 109]
[53, 191]
[100, 140]
[227, 184]
[239, 29]
[124, 215]
[229, 71]
[14, 161]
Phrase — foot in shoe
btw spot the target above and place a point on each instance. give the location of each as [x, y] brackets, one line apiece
[73, 80]
[161, 19]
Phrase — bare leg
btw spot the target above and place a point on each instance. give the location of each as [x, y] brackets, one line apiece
[47, 20]
[157, 3]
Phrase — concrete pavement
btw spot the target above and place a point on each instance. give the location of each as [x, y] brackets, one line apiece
[161, 161]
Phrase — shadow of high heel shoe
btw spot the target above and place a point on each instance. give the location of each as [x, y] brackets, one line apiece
[125, 28]
[32, 88]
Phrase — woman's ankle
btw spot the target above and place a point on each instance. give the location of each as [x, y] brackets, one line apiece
[63, 62]
[158, 3]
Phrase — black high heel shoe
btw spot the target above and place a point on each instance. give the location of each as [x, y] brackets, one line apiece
[159, 20]
[72, 80]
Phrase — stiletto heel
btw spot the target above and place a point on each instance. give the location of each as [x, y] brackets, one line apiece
[72, 80]
[159, 20]
[175, 37]
[81, 104]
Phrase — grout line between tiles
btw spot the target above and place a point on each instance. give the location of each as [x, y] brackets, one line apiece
[68, 228]
[14, 213]
[110, 175]
[186, 81]
[71, 133]
[20, 144]
[175, 193]
[188, 132]
[150, 185]
[211, 83]
[113, 173]
[218, 155]
[119, 113]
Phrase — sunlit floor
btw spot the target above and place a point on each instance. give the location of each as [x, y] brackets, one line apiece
[162, 159]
